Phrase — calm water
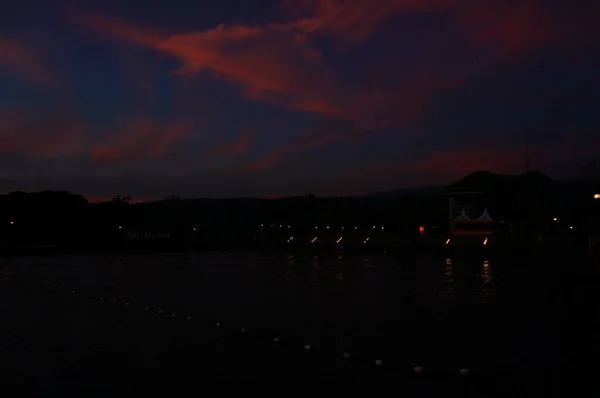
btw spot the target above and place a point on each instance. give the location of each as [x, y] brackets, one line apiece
[486, 313]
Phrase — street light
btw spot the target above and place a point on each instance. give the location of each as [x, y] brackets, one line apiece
[597, 196]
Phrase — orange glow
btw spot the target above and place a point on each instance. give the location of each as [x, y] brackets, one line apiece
[597, 196]
[421, 229]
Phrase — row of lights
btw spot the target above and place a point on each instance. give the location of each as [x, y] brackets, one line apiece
[328, 227]
[313, 240]
[218, 325]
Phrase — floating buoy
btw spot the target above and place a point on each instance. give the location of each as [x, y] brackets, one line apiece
[307, 347]
[418, 369]
[378, 362]
[464, 371]
[347, 355]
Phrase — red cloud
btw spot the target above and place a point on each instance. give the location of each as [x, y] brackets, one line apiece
[139, 139]
[310, 139]
[240, 145]
[25, 62]
[278, 63]
[54, 133]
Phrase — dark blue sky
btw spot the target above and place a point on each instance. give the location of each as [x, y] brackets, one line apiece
[281, 97]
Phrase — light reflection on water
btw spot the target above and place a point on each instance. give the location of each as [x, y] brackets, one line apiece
[487, 290]
[449, 274]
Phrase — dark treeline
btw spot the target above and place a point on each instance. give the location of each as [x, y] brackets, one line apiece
[528, 203]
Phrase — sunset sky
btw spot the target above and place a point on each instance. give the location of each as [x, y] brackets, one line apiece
[268, 98]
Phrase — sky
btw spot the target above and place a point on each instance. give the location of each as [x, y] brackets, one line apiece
[271, 98]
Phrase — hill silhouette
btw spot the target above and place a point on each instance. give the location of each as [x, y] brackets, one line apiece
[62, 218]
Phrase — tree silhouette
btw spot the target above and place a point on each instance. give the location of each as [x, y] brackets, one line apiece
[122, 199]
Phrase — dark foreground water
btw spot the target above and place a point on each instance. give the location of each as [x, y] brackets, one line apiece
[282, 324]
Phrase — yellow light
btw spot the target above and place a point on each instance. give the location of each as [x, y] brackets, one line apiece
[555, 219]
[597, 196]
[485, 241]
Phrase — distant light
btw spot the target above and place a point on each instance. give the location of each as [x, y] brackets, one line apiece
[448, 241]
[12, 222]
[194, 228]
[373, 227]
[555, 219]
[289, 226]
[314, 239]
[342, 227]
[597, 196]
[119, 227]
[262, 225]
[316, 227]
[339, 240]
[366, 240]
[421, 229]
[328, 227]
[571, 227]
[355, 227]
[382, 228]
[280, 226]
[485, 241]
[486, 264]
